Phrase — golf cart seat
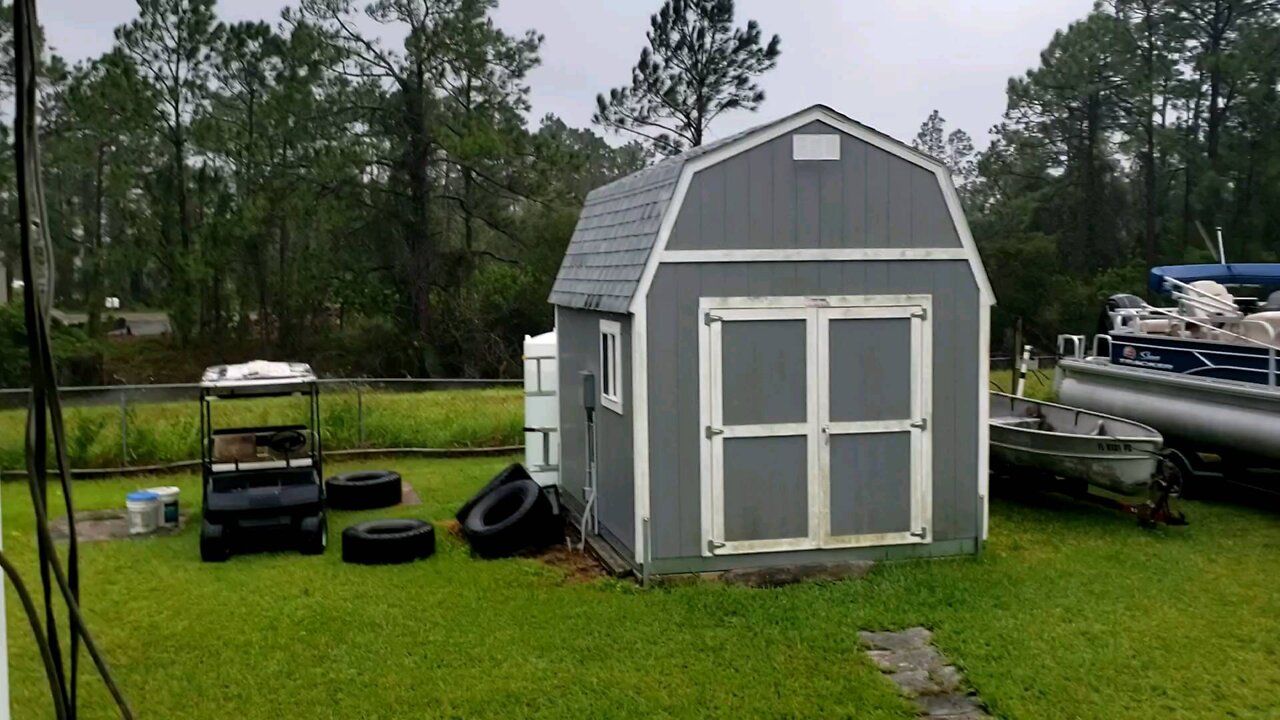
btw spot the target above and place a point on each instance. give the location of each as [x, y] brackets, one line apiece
[268, 491]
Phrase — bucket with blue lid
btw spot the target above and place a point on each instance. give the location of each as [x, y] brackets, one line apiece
[144, 509]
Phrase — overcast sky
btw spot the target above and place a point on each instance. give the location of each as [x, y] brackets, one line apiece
[886, 63]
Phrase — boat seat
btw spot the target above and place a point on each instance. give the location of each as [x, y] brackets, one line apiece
[1211, 288]
[1252, 330]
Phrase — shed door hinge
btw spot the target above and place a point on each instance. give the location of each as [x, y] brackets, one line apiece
[922, 533]
[708, 318]
[922, 423]
[921, 313]
[711, 432]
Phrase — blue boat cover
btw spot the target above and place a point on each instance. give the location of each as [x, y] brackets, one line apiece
[1264, 274]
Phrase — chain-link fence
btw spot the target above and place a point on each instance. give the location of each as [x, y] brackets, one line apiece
[130, 426]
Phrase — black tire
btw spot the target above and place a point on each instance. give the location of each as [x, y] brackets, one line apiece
[508, 475]
[213, 542]
[513, 518]
[313, 534]
[385, 542]
[363, 490]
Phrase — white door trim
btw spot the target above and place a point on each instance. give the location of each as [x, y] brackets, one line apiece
[918, 425]
[710, 363]
[816, 312]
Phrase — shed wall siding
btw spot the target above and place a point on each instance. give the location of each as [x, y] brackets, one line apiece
[675, 436]
[578, 343]
[762, 199]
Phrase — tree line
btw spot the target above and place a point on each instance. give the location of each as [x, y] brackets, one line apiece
[1145, 126]
[366, 182]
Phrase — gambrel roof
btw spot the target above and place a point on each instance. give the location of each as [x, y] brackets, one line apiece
[621, 223]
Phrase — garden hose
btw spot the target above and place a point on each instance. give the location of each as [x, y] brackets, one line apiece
[45, 413]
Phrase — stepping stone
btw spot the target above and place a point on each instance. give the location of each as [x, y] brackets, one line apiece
[926, 658]
[951, 706]
[408, 496]
[909, 639]
[923, 674]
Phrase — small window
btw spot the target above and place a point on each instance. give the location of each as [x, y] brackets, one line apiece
[611, 365]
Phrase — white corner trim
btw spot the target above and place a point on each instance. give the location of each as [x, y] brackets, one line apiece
[765, 134]
[984, 417]
[640, 426]
[813, 255]
[613, 401]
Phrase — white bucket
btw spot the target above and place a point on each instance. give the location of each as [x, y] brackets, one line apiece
[168, 497]
[144, 512]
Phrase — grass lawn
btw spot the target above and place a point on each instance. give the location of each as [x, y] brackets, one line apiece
[169, 432]
[1073, 612]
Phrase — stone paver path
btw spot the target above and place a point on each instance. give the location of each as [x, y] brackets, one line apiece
[923, 674]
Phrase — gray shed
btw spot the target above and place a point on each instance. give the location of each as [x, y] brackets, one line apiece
[788, 333]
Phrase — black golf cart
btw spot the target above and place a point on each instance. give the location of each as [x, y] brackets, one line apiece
[261, 482]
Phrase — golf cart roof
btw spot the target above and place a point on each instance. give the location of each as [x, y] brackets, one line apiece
[257, 377]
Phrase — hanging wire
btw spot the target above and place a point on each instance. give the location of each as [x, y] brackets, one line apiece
[45, 413]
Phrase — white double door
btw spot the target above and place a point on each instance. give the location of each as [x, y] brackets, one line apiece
[816, 422]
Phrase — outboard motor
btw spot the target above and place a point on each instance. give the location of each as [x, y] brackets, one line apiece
[1114, 303]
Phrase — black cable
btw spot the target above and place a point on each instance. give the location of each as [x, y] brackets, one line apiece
[46, 410]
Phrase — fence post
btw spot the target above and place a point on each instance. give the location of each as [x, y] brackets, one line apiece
[124, 428]
[359, 415]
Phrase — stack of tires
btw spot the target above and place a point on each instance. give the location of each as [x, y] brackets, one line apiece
[378, 542]
[510, 515]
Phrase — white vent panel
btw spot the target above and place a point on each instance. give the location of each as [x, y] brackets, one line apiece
[815, 147]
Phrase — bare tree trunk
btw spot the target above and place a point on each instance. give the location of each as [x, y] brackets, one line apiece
[94, 296]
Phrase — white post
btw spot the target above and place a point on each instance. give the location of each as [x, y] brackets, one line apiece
[1222, 254]
[1022, 370]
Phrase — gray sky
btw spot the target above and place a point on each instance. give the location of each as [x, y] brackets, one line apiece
[884, 63]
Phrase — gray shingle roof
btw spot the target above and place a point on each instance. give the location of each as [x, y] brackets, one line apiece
[618, 228]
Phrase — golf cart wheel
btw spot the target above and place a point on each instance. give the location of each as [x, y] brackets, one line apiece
[363, 490]
[314, 534]
[386, 542]
[508, 475]
[511, 519]
[213, 542]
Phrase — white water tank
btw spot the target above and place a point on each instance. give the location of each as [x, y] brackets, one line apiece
[541, 409]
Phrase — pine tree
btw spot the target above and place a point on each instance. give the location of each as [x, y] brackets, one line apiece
[696, 67]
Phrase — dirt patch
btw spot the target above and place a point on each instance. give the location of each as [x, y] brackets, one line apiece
[99, 525]
[578, 567]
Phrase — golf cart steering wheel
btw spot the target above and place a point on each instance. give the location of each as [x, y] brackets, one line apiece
[287, 441]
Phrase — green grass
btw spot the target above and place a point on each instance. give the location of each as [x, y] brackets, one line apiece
[1038, 386]
[1073, 612]
[169, 432]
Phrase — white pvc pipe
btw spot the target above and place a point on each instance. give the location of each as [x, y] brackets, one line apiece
[1022, 370]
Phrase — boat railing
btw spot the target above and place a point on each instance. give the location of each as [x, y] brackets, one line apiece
[1199, 299]
[1150, 312]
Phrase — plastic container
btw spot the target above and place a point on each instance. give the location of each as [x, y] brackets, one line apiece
[144, 512]
[168, 497]
[541, 409]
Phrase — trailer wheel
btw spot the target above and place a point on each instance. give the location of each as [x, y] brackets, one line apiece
[314, 534]
[213, 542]
[509, 474]
[513, 518]
[363, 490]
[385, 542]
